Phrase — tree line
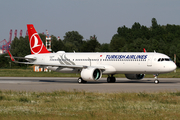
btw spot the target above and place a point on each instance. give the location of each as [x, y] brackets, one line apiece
[160, 38]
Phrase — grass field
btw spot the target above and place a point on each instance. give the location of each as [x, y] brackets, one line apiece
[30, 73]
[81, 105]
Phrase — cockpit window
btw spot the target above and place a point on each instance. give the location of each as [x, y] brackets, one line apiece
[164, 59]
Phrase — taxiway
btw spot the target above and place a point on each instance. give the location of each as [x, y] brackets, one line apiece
[49, 84]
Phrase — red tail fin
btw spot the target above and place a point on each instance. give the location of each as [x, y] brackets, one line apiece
[35, 42]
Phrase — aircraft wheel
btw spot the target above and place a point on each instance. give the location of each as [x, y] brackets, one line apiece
[80, 80]
[156, 81]
[109, 79]
[113, 80]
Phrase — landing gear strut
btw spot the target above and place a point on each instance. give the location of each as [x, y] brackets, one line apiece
[111, 79]
[156, 81]
[80, 80]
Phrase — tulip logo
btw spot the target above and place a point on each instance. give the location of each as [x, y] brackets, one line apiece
[36, 45]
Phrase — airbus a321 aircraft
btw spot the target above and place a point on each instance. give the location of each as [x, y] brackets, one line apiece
[91, 66]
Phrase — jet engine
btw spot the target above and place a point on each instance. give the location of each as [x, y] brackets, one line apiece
[91, 74]
[134, 76]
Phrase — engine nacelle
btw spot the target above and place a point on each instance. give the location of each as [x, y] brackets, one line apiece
[134, 76]
[91, 74]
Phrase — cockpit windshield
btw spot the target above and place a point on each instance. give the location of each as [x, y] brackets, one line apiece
[164, 59]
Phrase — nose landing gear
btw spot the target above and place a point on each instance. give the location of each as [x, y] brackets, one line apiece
[156, 81]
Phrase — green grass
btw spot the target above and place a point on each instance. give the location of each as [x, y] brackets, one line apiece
[30, 73]
[80, 105]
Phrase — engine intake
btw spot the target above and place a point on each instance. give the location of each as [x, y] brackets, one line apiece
[134, 76]
[91, 74]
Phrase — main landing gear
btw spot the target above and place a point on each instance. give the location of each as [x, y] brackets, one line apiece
[111, 79]
[156, 81]
[80, 80]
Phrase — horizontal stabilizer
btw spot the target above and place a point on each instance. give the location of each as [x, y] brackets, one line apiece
[13, 58]
[22, 58]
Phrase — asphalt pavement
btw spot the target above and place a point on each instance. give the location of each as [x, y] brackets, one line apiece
[49, 84]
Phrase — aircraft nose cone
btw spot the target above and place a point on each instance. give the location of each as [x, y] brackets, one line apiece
[173, 67]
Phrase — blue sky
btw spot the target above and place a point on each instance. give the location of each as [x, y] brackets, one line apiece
[88, 17]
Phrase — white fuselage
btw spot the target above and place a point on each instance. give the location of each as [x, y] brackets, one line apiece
[113, 62]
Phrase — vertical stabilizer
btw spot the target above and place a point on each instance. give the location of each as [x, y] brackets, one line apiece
[35, 42]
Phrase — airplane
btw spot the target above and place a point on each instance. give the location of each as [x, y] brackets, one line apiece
[92, 66]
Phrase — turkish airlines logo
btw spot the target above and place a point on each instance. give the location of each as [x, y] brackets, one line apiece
[35, 44]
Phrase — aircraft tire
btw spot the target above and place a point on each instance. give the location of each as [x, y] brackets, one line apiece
[156, 81]
[111, 79]
[80, 80]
